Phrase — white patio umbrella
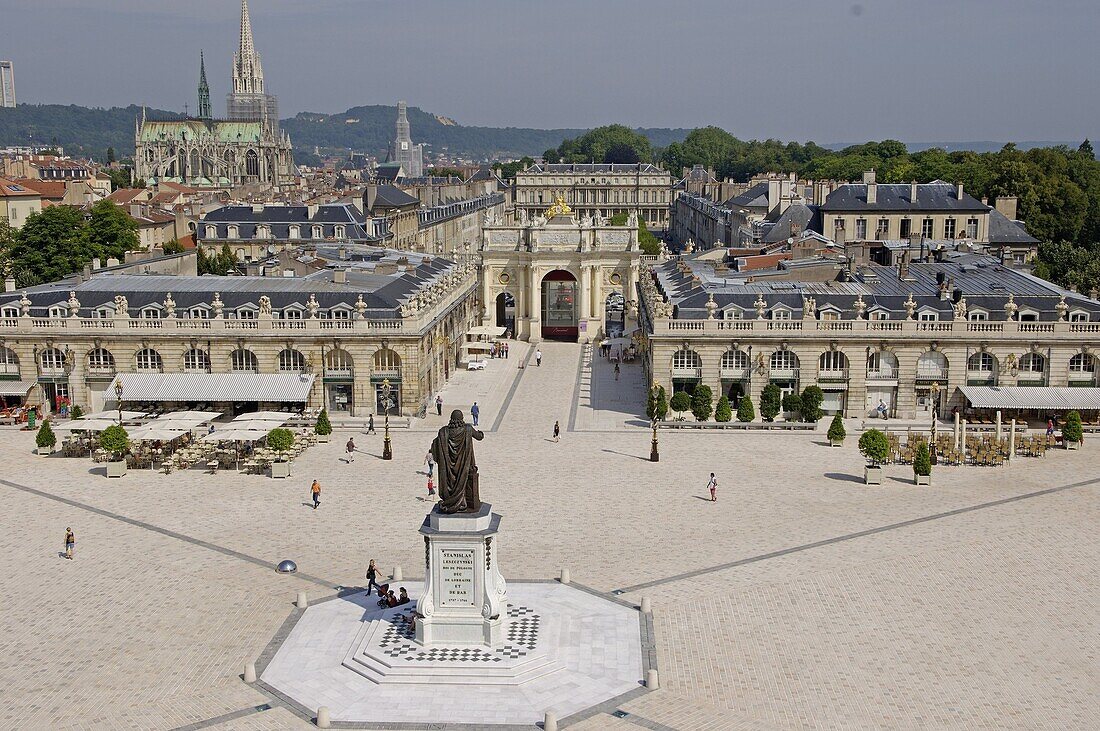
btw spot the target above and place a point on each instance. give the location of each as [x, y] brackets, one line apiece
[235, 435]
[264, 416]
[476, 347]
[192, 416]
[126, 415]
[155, 433]
[486, 330]
[85, 425]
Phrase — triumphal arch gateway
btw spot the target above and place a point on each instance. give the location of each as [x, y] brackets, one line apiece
[554, 277]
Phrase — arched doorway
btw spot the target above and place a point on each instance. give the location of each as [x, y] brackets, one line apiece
[615, 317]
[559, 306]
[506, 311]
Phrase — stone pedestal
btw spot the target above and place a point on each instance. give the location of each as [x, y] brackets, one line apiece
[464, 599]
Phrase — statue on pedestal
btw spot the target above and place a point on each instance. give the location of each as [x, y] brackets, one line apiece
[453, 450]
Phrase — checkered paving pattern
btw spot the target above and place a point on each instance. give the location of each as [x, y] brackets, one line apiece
[398, 641]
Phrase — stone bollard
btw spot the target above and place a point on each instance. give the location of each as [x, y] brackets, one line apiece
[250, 672]
[550, 721]
[323, 720]
[647, 605]
[565, 577]
[651, 680]
[398, 575]
[302, 601]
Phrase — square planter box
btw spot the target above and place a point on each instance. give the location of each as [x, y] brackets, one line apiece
[323, 438]
[1072, 445]
[872, 475]
[280, 469]
[836, 442]
[116, 469]
[44, 450]
[924, 479]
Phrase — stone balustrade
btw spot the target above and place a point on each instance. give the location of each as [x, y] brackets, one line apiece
[871, 330]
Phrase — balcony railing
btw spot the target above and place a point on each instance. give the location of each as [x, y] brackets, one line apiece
[832, 375]
[883, 374]
[1082, 377]
[926, 374]
[783, 374]
[735, 373]
[980, 378]
[687, 372]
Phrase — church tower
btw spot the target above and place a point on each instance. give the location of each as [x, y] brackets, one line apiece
[205, 112]
[249, 101]
[402, 150]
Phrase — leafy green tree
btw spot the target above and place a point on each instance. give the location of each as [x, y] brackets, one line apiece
[1071, 429]
[681, 402]
[110, 155]
[593, 146]
[662, 404]
[551, 155]
[111, 231]
[702, 403]
[922, 460]
[1085, 148]
[770, 402]
[120, 178]
[45, 438]
[836, 429]
[812, 398]
[444, 172]
[792, 403]
[745, 411]
[77, 412]
[722, 412]
[656, 403]
[874, 446]
[323, 427]
[280, 439]
[220, 264]
[115, 440]
[173, 247]
[50, 245]
[621, 154]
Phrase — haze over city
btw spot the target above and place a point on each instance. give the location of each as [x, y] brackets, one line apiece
[827, 71]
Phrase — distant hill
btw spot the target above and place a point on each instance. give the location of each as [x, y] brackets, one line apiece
[89, 132]
[975, 146]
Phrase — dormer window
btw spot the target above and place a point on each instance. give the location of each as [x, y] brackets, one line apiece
[232, 231]
[199, 313]
[781, 314]
[1078, 316]
[733, 313]
[293, 314]
[977, 316]
[829, 314]
[10, 312]
[318, 232]
[295, 231]
[341, 232]
[211, 232]
[928, 316]
[150, 313]
[58, 311]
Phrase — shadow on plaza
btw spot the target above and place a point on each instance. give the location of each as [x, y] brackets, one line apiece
[841, 477]
[624, 454]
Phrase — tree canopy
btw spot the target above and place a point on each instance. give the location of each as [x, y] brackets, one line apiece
[614, 143]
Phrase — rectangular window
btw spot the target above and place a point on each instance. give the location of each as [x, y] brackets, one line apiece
[883, 228]
[880, 315]
[781, 314]
[978, 316]
[861, 229]
[928, 317]
[949, 228]
[926, 228]
[905, 228]
[972, 228]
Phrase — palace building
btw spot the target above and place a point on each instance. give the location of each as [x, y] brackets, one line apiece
[597, 191]
[246, 148]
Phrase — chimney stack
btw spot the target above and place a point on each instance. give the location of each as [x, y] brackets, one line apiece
[339, 276]
[913, 193]
[9, 284]
[1006, 205]
[959, 192]
[872, 187]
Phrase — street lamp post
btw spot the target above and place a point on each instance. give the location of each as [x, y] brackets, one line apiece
[935, 417]
[118, 397]
[387, 452]
[654, 454]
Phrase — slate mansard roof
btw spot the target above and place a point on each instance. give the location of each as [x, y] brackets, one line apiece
[280, 218]
[589, 168]
[983, 282]
[935, 196]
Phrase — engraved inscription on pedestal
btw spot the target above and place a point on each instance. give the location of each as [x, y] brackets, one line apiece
[456, 576]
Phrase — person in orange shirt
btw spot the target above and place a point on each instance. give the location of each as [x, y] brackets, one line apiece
[315, 491]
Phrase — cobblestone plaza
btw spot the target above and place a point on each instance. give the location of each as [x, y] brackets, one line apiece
[802, 598]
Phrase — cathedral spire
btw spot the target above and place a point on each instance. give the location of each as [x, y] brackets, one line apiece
[205, 112]
[248, 75]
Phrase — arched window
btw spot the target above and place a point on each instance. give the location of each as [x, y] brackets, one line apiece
[1033, 363]
[211, 232]
[882, 364]
[196, 360]
[149, 361]
[252, 163]
[735, 363]
[981, 362]
[338, 363]
[833, 361]
[244, 361]
[291, 361]
[784, 360]
[387, 362]
[100, 360]
[52, 360]
[687, 363]
[295, 231]
[9, 361]
[1082, 369]
[932, 365]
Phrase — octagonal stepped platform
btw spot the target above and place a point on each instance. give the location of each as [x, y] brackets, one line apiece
[385, 651]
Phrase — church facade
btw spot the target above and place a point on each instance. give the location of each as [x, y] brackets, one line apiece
[246, 148]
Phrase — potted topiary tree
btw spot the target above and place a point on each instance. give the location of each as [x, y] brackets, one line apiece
[322, 428]
[836, 432]
[922, 465]
[1072, 433]
[280, 440]
[876, 448]
[723, 412]
[812, 398]
[77, 412]
[745, 411]
[117, 442]
[681, 402]
[770, 402]
[792, 406]
[45, 439]
[702, 403]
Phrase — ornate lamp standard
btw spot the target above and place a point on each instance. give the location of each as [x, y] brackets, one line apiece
[935, 390]
[387, 452]
[118, 397]
[654, 455]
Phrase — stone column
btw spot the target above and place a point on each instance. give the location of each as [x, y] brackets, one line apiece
[486, 293]
[535, 312]
[585, 291]
[597, 301]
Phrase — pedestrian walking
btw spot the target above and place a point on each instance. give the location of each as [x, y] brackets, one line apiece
[370, 424]
[431, 486]
[538, 358]
[616, 371]
[507, 350]
[475, 412]
[439, 404]
[557, 432]
[430, 461]
[70, 543]
[372, 576]
[713, 487]
[351, 450]
[315, 491]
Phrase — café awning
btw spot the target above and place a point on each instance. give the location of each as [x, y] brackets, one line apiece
[15, 388]
[214, 387]
[1042, 398]
[489, 331]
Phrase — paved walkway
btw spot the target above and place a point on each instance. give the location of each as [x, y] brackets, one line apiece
[801, 599]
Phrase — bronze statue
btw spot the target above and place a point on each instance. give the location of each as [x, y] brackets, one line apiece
[453, 450]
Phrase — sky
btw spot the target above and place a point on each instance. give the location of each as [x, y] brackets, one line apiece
[915, 70]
